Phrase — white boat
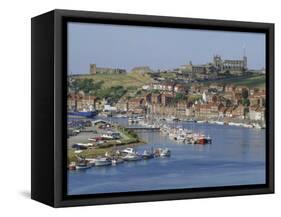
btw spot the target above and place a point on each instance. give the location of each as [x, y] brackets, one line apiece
[201, 122]
[180, 138]
[165, 152]
[132, 157]
[257, 126]
[83, 165]
[147, 155]
[86, 145]
[247, 125]
[235, 124]
[140, 117]
[117, 161]
[128, 151]
[91, 161]
[102, 162]
[219, 122]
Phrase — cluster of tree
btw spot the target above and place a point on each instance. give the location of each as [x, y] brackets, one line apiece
[245, 95]
[111, 94]
[179, 97]
[88, 86]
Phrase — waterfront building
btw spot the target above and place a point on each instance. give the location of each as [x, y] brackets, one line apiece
[257, 113]
[222, 111]
[99, 105]
[228, 95]
[109, 108]
[228, 111]
[122, 105]
[81, 102]
[239, 112]
[136, 105]
[237, 99]
[258, 98]
[207, 111]
[252, 91]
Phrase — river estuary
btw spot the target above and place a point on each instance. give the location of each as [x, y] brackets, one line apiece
[235, 157]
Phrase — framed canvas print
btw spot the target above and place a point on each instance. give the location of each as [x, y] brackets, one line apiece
[134, 108]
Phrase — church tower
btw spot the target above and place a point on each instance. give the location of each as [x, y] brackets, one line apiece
[244, 59]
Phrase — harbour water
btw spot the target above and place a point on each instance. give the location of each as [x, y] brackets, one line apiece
[235, 157]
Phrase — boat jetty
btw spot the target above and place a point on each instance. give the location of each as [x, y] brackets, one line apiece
[176, 133]
[118, 157]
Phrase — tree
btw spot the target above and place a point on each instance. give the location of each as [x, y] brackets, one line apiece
[86, 85]
[245, 102]
[111, 94]
[245, 93]
[179, 97]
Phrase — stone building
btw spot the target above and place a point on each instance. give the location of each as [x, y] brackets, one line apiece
[218, 65]
[257, 113]
[239, 112]
[230, 65]
[105, 70]
[136, 105]
[122, 105]
[81, 102]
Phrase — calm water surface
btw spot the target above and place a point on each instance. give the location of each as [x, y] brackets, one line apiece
[236, 157]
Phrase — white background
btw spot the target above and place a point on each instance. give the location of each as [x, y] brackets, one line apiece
[15, 106]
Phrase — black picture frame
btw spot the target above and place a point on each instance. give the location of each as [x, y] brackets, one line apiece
[49, 55]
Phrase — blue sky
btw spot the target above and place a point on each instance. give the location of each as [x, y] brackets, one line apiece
[125, 47]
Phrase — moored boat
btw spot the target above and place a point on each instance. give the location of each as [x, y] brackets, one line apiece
[83, 165]
[131, 157]
[147, 155]
[165, 152]
[128, 151]
[117, 161]
[102, 161]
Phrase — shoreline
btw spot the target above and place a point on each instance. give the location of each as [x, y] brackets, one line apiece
[128, 139]
[95, 152]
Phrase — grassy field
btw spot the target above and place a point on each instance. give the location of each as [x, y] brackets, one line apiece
[127, 80]
[128, 139]
[95, 152]
[251, 81]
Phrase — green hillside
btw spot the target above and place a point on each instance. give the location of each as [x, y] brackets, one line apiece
[253, 81]
[133, 80]
[250, 81]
